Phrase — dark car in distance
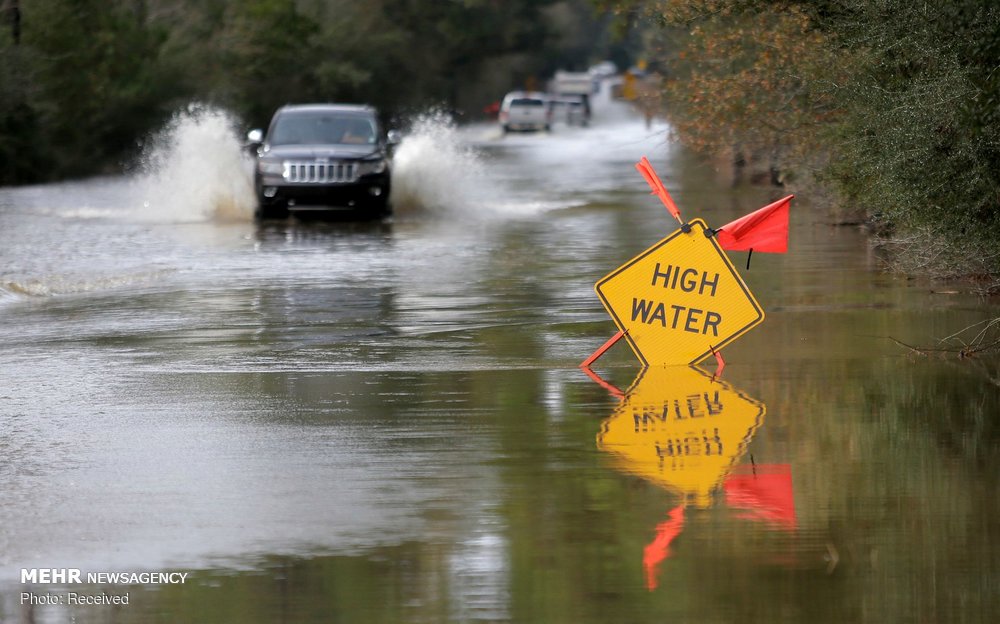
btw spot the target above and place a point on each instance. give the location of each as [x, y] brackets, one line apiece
[327, 158]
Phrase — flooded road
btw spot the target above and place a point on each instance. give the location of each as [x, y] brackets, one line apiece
[385, 422]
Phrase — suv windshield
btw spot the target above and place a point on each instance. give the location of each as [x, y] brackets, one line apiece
[323, 128]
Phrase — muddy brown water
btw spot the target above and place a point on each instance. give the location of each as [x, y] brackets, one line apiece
[385, 422]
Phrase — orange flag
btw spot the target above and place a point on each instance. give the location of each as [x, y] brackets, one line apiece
[761, 230]
[659, 190]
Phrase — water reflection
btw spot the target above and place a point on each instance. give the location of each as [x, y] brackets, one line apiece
[687, 431]
[682, 429]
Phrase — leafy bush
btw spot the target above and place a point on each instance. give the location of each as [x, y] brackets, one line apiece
[895, 103]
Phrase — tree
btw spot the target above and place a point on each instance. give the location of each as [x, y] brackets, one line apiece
[90, 80]
[758, 83]
[95, 84]
[897, 101]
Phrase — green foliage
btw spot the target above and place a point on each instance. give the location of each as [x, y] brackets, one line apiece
[921, 134]
[89, 79]
[898, 101]
[264, 40]
[19, 154]
[922, 139]
[95, 78]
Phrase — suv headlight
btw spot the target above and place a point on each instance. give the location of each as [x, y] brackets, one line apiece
[372, 166]
[270, 167]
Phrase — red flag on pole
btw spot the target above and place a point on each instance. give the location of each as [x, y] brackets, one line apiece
[659, 190]
[761, 230]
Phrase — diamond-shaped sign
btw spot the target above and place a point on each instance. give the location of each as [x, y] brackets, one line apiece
[680, 300]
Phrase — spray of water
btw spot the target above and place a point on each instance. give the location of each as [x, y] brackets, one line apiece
[196, 170]
[474, 173]
[435, 171]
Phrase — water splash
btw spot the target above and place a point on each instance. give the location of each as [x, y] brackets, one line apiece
[196, 170]
[435, 170]
[9, 293]
[475, 173]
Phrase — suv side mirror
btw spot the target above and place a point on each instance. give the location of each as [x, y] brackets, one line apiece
[393, 137]
[255, 138]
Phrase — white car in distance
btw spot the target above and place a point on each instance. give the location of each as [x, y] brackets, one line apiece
[525, 111]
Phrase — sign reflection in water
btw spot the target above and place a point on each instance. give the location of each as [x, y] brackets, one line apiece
[685, 430]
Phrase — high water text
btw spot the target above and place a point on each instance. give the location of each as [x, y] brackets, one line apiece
[685, 318]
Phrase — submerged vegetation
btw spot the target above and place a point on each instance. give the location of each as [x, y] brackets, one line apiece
[893, 105]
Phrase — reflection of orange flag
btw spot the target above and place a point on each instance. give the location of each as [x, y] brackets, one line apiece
[766, 494]
[659, 190]
[659, 548]
[762, 230]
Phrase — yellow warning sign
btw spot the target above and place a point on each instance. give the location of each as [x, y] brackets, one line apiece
[681, 429]
[679, 300]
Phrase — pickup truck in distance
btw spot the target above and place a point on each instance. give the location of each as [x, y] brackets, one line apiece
[322, 158]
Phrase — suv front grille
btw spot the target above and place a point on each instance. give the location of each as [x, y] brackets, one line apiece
[320, 172]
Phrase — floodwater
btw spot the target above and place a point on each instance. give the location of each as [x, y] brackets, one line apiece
[342, 422]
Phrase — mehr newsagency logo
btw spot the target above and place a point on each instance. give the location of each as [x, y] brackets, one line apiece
[68, 576]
